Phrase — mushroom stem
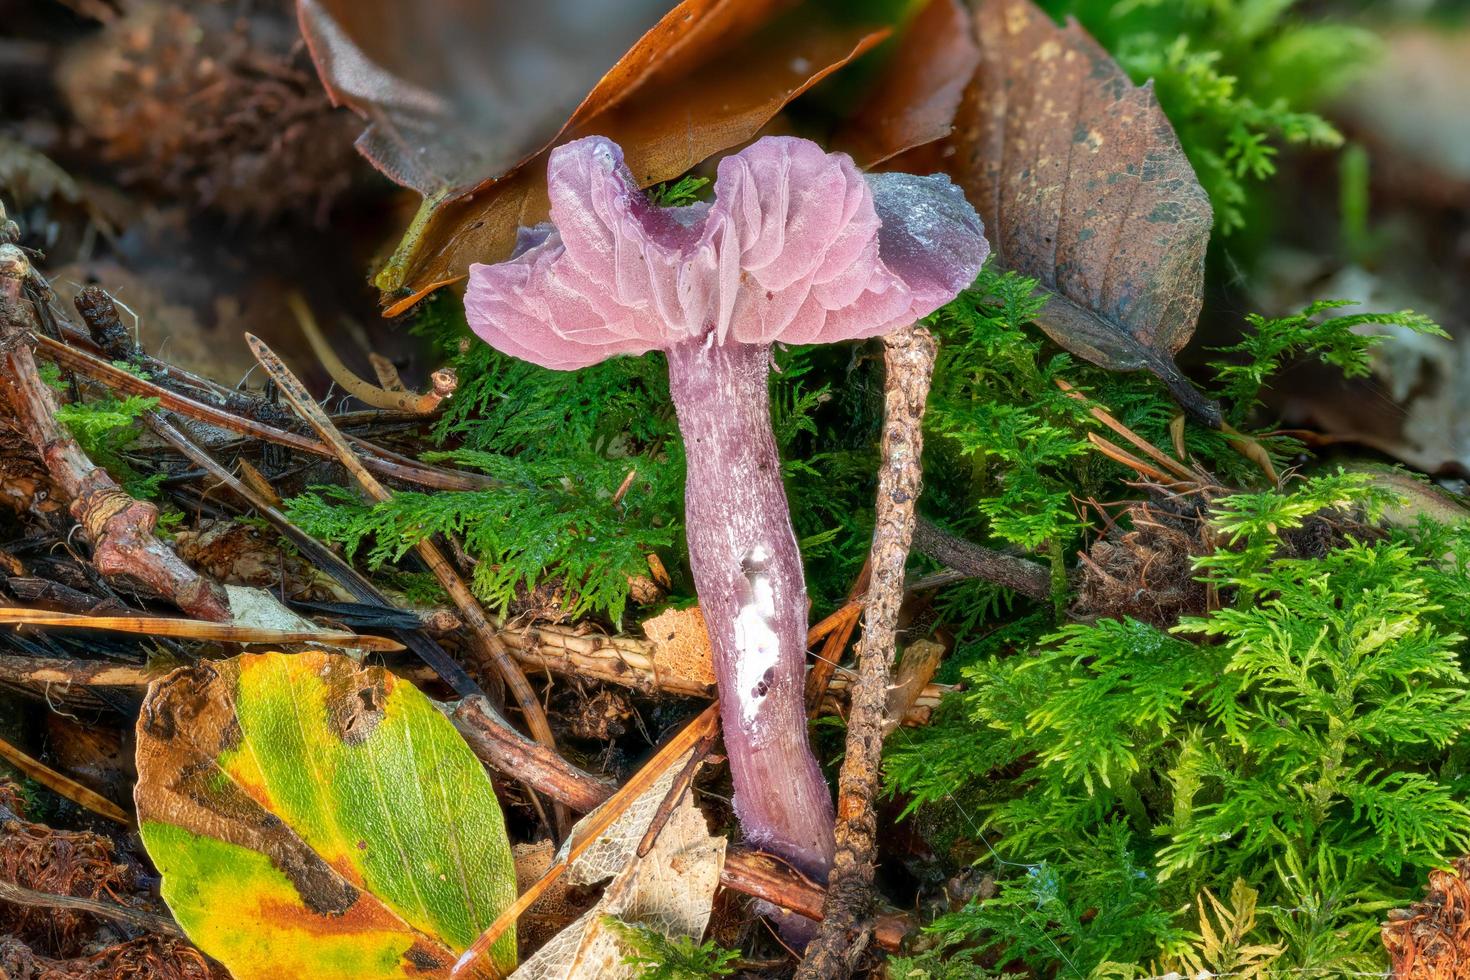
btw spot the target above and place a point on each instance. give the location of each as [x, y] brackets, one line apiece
[748, 574]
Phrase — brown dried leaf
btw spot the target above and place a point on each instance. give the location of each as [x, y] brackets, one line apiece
[914, 101]
[1083, 186]
[609, 853]
[681, 645]
[558, 908]
[235, 553]
[454, 91]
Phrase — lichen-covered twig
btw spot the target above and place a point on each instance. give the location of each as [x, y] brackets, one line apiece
[119, 527]
[1029, 578]
[846, 926]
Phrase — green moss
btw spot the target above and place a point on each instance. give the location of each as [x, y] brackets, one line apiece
[105, 429]
[1315, 724]
[657, 957]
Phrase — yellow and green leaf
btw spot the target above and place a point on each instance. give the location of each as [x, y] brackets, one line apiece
[313, 817]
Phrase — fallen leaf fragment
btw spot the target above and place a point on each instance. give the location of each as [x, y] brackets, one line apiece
[1083, 186]
[670, 889]
[314, 818]
[556, 909]
[681, 647]
[604, 827]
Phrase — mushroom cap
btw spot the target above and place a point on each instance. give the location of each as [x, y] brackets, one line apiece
[798, 247]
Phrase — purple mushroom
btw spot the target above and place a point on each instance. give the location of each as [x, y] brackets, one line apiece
[798, 247]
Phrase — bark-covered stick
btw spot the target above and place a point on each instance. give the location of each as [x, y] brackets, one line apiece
[846, 912]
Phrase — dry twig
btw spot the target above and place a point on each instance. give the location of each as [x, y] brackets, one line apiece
[20, 895]
[193, 629]
[846, 926]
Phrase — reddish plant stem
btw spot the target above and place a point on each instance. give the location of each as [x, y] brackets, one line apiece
[747, 571]
[119, 527]
[846, 912]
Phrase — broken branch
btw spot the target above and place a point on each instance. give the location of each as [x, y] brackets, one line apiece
[20, 895]
[193, 629]
[119, 527]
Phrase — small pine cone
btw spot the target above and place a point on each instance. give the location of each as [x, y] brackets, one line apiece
[225, 114]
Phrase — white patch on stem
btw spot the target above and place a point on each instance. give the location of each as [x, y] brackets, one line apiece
[757, 641]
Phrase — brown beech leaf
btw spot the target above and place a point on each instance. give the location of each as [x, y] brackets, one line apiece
[1083, 186]
[456, 91]
[916, 95]
[705, 78]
